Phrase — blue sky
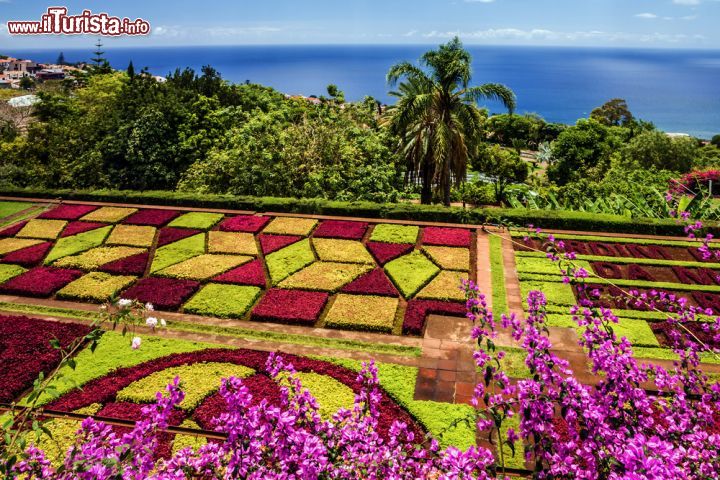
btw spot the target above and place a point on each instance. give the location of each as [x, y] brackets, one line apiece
[617, 23]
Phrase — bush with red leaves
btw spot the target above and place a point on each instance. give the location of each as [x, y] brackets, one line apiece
[152, 217]
[273, 243]
[607, 270]
[244, 223]
[696, 276]
[418, 310]
[700, 330]
[29, 256]
[344, 229]
[707, 300]
[67, 212]
[173, 234]
[384, 252]
[163, 293]
[448, 237]
[133, 265]
[40, 281]
[26, 350]
[636, 272]
[372, 283]
[251, 273]
[294, 307]
[73, 228]
[12, 230]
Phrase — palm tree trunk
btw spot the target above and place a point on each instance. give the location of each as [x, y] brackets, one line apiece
[446, 184]
[427, 176]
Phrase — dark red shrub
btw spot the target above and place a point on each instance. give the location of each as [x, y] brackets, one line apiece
[29, 256]
[707, 300]
[577, 246]
[163, 293]
[40, 281]
[12, 230]
[152, 217]
[607, 270]
[372, 283]
[384, 252]
[696, 276]
[25, 350]
[700, 331]
[295, 307]
[244, 223]
[636, 272]
[252, 273]
[604, 249]
[341, 229]
[173, 234]
[73, 228]
[647, 251]
[698, 256]
[449, 237]
[68, 212]
[133, 265]
[273, 243]
[418, 310]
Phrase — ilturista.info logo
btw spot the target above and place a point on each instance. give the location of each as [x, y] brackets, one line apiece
[56, 21]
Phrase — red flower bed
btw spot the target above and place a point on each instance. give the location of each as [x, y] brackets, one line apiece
[12, 230]
[29, 256]
[700, 330]
[384, 252]
[163, 293]
[251, 273]
[73, 228]
[173, 234]
[372, 283]
[133, 265]
[448, 237]
[152, 217]
[295, 307]
[67, 212]
[607, 270]
[341, 229]
[244, 223]
[707, 300]
[696, 276]
[103, 390]
[273, 243]
[26, 350]
[40, 281]
[418, 310]
[636, 272]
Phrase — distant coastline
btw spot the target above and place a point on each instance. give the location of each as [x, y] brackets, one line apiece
[675, 89]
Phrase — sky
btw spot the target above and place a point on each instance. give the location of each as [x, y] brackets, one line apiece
[604, 23]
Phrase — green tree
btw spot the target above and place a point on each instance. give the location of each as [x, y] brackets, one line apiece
[61, 59]
[436, 117]
[131, 70]
[715, 140]
[26, 83]
[335, 93]
[656, 150]
[504, 166]
[613, 113]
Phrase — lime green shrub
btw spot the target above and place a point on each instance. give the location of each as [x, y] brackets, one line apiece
[411, 272]
[45, 229]
[391, 233]
[220, 300]
[132, 235]
[347, 251]
[286, 261]
[232, 242]
[95, 287]
[362, 312]
[325, 276]
[445, 286]
[199, 220]
[77, 243]
[291, 226]
[176, 252]
[95, 257]
[203, 266]
[109, 214]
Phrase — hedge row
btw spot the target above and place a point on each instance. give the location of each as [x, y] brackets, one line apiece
[556, 219]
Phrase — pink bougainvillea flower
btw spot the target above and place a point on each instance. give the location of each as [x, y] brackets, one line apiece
[40, 281]
[449, 237]
[152, 217]
[290, 306]
[67, 212]
[372, 283]
[162, 293]
[244, 223]
[341, 229]
[273, 243]
[384, 252]
[251, 273]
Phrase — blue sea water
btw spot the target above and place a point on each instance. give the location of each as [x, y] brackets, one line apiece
[675, 89]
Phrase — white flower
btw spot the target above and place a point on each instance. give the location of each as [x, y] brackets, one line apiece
[136, 343]
[163, 323]
[149, 307]
[151, 322]
[124, 302]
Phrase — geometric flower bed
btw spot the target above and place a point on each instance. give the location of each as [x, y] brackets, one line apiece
[288, 269]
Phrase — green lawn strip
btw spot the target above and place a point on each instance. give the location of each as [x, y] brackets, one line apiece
[81, 242]
[547, 278]
[598, 238]
[399, 382]
[544, 266]
[8, 271]
[31, 212]
[624, 260]
[556, 293]
[177, 252]
[621, 313]
[8, 209]
[637, 331]
[497, 276]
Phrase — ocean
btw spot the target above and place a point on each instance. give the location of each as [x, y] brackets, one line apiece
[677, 90]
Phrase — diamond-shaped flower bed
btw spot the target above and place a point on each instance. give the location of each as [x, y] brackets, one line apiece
[67, 212]
[450, 258]
[341, 229]
[372, 283]
[445, 286]
[40, 281]
[152, 217]
[411, 272]
[384, 252]
[203, 266]
[170, 234]
[132, 265]
[95, 287]
[73, 228]
[294, 307]
[93, 258]
[273, 243]
[362, 312]
[291, 226]
[325, 276]
[9, 271]
[8, 245]
[12, 230]
[346, 251]
[28, 256]
[163, 293]
[109, 214]
[251, 273]
[448, 237]
[177, 252]
[199, 220]
[132, 235]
[418, 310]
[238, 243]
[391, 233]
[225, 301]
[285, 262]
[244, 223]
[78, 243]
[45, 229]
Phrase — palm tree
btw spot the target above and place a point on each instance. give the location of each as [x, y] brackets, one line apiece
[436, 116]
